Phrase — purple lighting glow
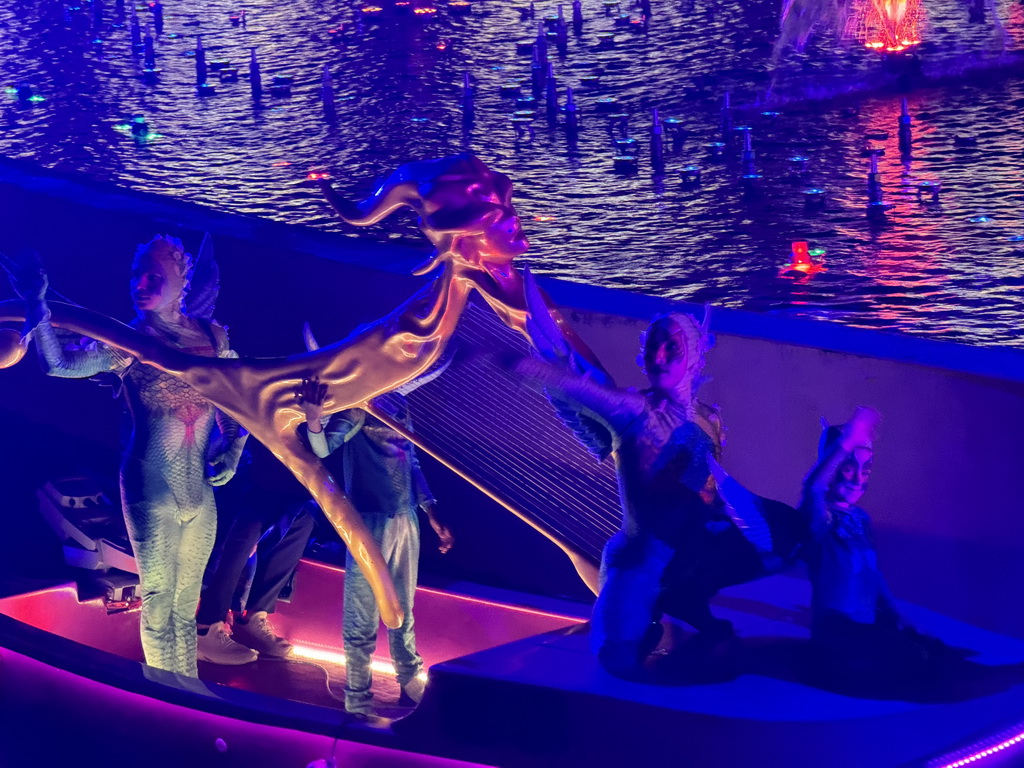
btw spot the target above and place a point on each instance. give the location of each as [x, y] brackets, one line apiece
[981, 754]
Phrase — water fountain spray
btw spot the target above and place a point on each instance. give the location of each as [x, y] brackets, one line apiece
[255, 80]
[905, 137]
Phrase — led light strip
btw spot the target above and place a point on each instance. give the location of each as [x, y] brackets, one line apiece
[981, 754]
[333, 657]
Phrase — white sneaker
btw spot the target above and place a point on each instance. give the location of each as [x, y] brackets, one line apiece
[217, 647]
[258, 633]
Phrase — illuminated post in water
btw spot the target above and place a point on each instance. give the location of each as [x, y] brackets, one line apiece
[572, 118]
[200, 61]
[327, 94]
[562, 29]
[136, 31]
[468, 107]
[905, 137]
[726, 117]
[876, 205]
[255, 81]
[657, 146]
[538, 69]
[542, 45]
[149, 58]
[551, 96]
[158, 16]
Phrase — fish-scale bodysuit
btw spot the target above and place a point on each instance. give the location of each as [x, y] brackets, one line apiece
[167, 501]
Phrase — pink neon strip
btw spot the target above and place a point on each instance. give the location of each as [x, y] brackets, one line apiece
[984, 753]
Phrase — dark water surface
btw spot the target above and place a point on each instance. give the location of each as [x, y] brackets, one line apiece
[951, 271]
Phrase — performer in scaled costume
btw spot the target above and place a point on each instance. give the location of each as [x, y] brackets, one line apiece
[662, 438]
[679, 543]
[465, 210]
[384, 479]
[173, 456]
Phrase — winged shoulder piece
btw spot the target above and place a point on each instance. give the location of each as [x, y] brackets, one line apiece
[204, 285]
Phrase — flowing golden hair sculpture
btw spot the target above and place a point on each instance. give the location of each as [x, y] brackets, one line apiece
[465, 211]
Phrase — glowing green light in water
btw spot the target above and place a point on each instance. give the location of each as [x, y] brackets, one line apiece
[36, 98]
[11, 90]
[816, 251]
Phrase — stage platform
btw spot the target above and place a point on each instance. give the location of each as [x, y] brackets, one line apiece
[515, 685]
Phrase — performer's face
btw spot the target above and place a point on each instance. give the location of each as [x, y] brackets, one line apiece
[665, 354]
[155, 282]
[851, 478]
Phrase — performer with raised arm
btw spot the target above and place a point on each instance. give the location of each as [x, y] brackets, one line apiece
[384, 480]
[662, 438]
[859, 636]
[174, 456]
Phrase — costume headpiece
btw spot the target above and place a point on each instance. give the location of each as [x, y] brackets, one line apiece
[182, 259]
[696, 339]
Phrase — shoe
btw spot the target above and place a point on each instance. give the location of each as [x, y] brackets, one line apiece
[258, 633]
[217, 647]
[412, 693]
[360, 706]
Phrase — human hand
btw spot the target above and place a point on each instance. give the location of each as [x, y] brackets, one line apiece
[445, 538]
[310, 397]
[860, 430]
[221, 468]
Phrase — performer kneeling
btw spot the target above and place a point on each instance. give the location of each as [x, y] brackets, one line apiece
[662, 438]
[859, 637]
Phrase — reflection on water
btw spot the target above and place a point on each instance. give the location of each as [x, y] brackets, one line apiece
[950, 270]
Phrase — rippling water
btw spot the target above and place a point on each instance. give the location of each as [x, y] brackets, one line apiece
[950, 271]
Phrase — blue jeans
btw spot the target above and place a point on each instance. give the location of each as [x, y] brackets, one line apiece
[399, 541]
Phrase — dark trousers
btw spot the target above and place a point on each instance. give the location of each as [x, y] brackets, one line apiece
[279, 539]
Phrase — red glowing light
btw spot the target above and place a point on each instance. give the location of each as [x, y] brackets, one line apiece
[442, 45]
[802, 260]
[280, 163]
[890, 25]
[543, 218]
[424, 11]
[314, 176]
[372, 9]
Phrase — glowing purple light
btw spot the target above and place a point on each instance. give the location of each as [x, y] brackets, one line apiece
[982, 754]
